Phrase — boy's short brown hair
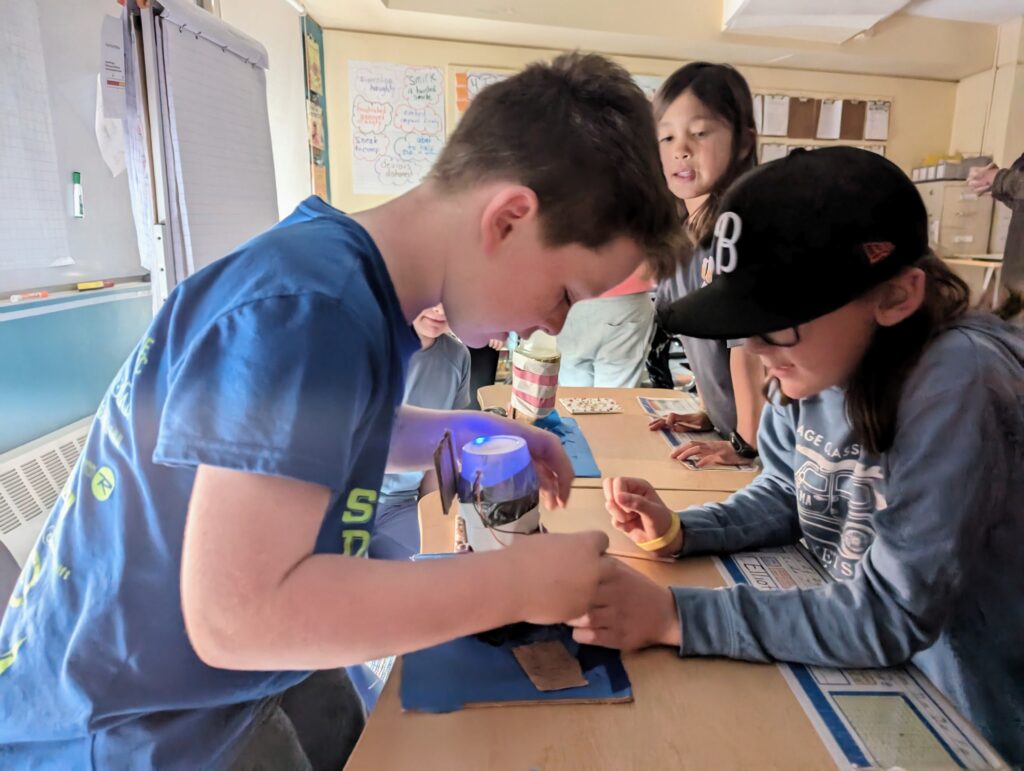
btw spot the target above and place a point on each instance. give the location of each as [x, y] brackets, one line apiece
[579, 133]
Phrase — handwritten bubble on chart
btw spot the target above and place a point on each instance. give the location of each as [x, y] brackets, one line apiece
[418, 120]
[423, 85]
[395, 171]
[478, 81]
[418, 148]
[371, 117]
[369, 147]
[375, 85]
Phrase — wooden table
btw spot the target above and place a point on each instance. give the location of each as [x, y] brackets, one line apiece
[623, 446]
[688, 713]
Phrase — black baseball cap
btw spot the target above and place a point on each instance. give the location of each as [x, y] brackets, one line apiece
[801, 237]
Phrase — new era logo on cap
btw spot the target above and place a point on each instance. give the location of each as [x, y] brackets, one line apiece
[727, 233]
[878, 250]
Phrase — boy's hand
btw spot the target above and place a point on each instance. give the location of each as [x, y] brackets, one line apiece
[558, 574]
[703, 454]
[554, 469]
[639, 512]
[681, 423]
[629, 611]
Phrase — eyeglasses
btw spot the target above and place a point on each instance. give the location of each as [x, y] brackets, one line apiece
[784, 338]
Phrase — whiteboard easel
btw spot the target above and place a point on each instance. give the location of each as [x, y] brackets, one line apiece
[202, 114]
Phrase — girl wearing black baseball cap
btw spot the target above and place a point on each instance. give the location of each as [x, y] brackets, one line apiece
[893, 448]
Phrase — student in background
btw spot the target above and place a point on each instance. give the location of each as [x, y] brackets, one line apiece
[483, 368]
[893, 446]
[437, 378]
[197, 586]
[1007, 186]
[604, 341]
[705, 119]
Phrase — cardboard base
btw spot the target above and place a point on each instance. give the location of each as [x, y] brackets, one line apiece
[468, 673]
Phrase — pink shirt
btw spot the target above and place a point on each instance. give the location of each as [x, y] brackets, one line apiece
[638, 282]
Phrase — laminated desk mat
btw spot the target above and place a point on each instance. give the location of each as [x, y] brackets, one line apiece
[867, 718]
[469, 672]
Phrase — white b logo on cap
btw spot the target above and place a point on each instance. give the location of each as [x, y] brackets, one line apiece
[727, 233]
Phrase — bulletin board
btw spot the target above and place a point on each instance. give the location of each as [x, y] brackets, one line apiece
[786, 121]
[49, 73]
[400, 115]
[316, 112]
[397, 124]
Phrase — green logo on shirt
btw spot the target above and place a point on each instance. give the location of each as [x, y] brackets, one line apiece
[7, 659]
[103, 483]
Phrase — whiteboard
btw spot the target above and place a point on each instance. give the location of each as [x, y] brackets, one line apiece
[102, 244]
[33, 230]
[220, 132]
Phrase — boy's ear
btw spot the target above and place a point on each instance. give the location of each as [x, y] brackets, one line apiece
[900, 297]
[507, 209]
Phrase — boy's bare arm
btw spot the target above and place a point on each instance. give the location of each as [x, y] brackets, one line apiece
[255, 597]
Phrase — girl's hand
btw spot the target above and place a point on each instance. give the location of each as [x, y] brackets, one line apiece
[629, 611]
[681, 423]
[714, 453]
[639, 512]
[497, 345]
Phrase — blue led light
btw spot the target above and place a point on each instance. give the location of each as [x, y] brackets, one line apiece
[497, 458]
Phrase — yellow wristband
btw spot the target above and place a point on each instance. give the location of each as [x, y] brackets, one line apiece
[665, 540]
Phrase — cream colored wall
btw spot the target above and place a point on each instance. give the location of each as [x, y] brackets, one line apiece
[989, 105]
[969, 116]
[1011, 99]
[920, 122]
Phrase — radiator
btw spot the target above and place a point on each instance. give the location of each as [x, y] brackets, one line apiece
[31, 478]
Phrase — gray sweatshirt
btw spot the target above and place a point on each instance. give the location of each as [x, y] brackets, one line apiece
[709, 359]
[926, 541]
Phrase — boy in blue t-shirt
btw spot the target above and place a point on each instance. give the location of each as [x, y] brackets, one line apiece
[200, 562]
[437, 378]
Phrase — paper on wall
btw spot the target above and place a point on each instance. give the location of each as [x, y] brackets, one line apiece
[396, 113]
[776, 115]
[876, 124]
[829, 119]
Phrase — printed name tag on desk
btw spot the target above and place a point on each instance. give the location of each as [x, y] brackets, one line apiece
[591, 405]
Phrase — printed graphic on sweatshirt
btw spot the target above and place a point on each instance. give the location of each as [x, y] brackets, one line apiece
[837, 501]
